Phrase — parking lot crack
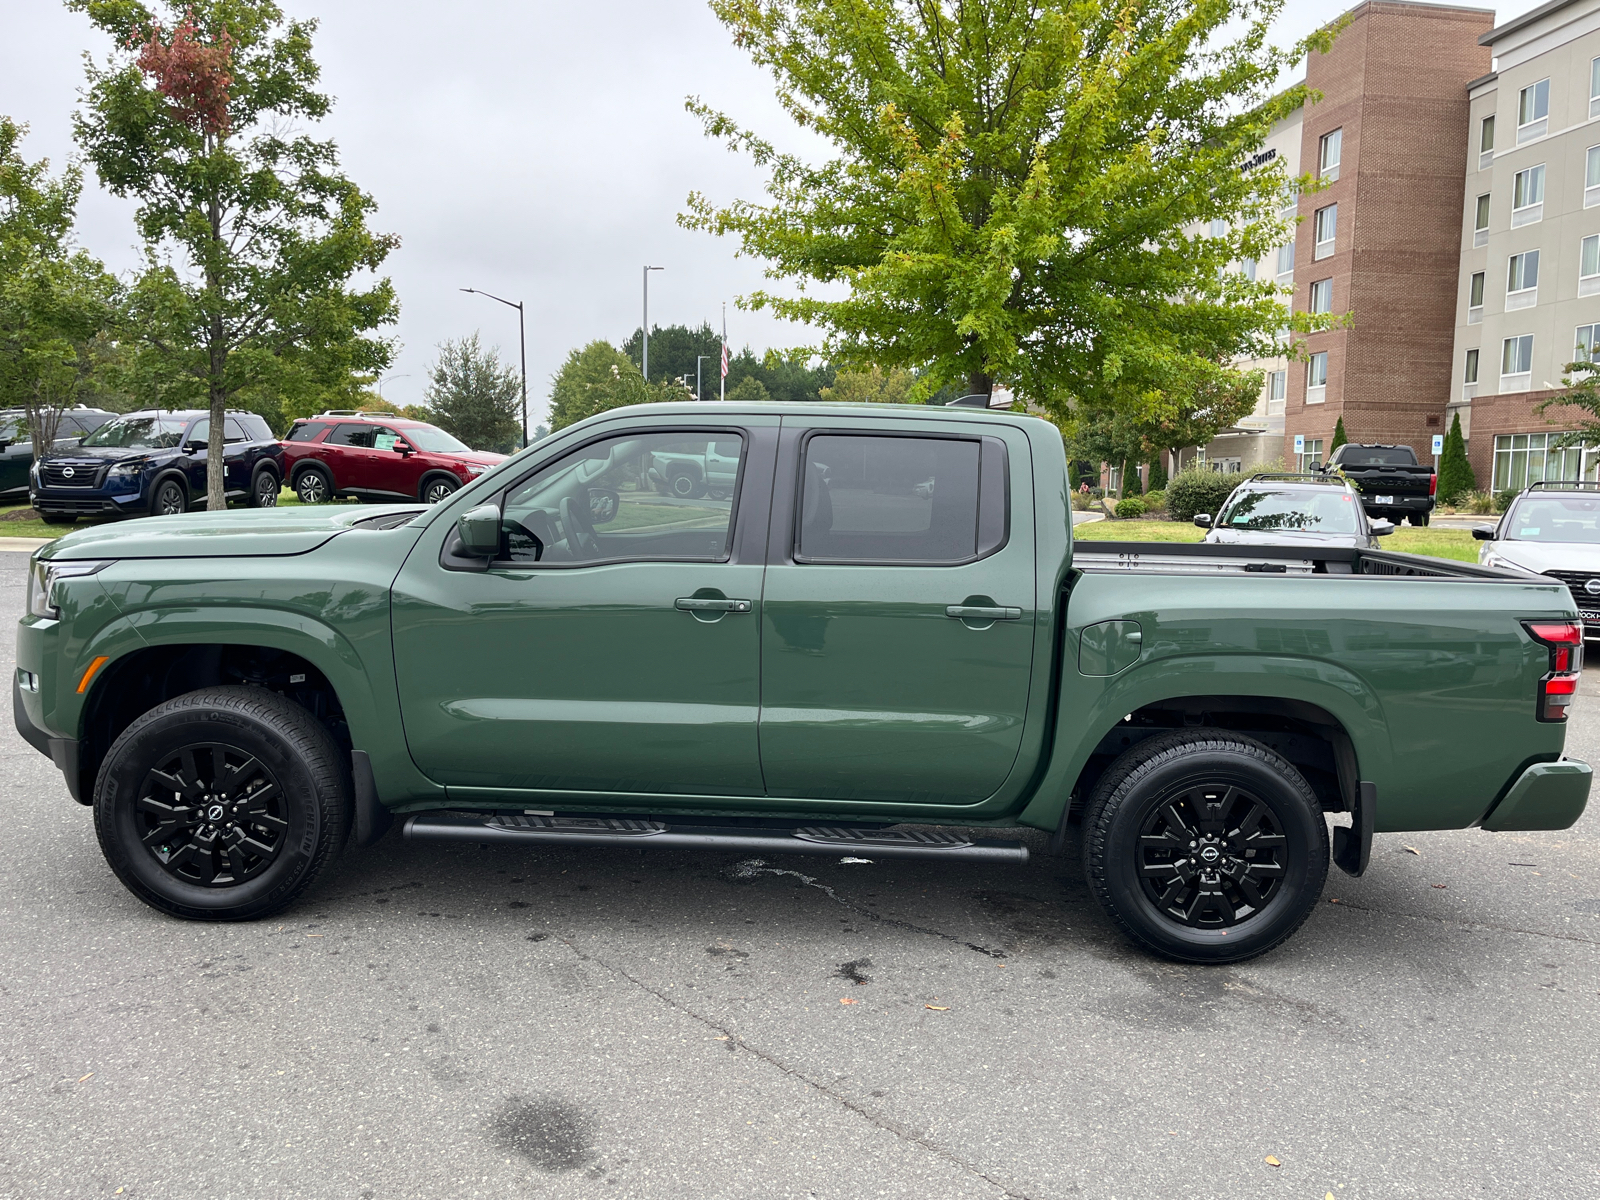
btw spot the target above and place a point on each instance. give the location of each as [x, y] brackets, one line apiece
[1498, 928]
[893, 1128]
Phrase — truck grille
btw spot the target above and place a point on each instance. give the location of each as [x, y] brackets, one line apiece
[1577, 583]
[56, 475]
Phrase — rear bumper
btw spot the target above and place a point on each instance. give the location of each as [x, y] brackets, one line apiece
[1546, 796]
[1400, 504]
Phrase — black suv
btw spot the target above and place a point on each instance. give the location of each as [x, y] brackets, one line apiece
[154, 463]
[16, 444]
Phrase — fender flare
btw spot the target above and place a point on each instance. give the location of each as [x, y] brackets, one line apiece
[433, 473]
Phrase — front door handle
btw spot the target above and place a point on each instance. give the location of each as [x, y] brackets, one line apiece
[696, 604]
[975, 612]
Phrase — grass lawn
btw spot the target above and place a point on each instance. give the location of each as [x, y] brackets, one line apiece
[1435, 542]
[18, 520]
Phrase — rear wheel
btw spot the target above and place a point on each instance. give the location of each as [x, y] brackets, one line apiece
[1419, 518]
[438, 488]
[685, 486]
[313, 487]
[264, 493]
[170, 499]
[222, 805]
[1205, 846]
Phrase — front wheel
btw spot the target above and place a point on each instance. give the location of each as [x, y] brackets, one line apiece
[265, 492]
[1205, 846]
[170, 499]
[685, 486]
[222, 805]
[438, 489]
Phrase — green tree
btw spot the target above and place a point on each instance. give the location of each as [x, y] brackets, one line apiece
[1046, 196]
[1339, 438]
[475, 396]
[872, 386]
[1456, 477]
[598, 378]
[252, 234]
[749, 390]
[1158, 473]
[790, 376]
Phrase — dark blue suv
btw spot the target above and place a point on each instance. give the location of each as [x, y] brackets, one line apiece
[154, 463]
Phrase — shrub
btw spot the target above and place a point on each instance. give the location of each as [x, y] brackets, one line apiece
[1154, 501]
[1199, 491]
[1129, 507]
[1479, 504]
[1082, 501]
[1503, 499]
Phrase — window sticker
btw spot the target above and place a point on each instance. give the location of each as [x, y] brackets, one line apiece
[384, 441]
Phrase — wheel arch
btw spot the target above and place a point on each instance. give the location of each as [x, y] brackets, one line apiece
[300, 468]
[433, 473]
[161, 477]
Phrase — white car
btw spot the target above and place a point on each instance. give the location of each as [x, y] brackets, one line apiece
[1552, 529]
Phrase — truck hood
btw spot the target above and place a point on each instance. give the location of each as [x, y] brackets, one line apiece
[484, 457]
[1540, 557]
[240, 533]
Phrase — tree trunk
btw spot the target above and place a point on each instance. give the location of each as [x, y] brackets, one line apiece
[217, 362]
[979, 384]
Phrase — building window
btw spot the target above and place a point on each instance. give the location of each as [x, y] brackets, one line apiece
[1589, 265]
[1471, 373]
[1524, 458]
[1328, 150]
[1486, 141]
[1527, 196]
[1322, 296]
[1594, 88]
[1475, 299]
[1584, 343]
[1533, 111]
[1285, 261]
[1277, 390]
[1290, 204]
[1522, 280]
[1219, 227]
[1516, 363]
[1480, 222]
[1313, 453]
[1324, 225]
[1247, 268]
[1591, 177]
[1317, 377]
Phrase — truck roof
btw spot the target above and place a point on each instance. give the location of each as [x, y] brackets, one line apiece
[915, 412]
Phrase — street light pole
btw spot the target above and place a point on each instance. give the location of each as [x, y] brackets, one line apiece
[698, 359]
[522, 341]
[644, 356]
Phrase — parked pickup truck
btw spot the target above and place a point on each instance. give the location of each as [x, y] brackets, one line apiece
[836, 658]
[705, 468]
[1393, 485]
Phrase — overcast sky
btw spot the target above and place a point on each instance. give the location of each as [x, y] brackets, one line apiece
[538, 150]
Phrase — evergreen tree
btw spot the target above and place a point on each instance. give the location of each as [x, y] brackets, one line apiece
[475, 396]
[1339, 438]
[1158, 473]
[1456, 477]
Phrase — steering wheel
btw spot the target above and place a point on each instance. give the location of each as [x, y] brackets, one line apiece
[579, 536]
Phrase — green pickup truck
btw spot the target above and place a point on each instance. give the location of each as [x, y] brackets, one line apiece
[880, 641]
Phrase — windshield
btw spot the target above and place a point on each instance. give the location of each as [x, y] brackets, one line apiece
[12, 428]
[1554, 519]
[436, 441]
[138, 433]
[1377, 456]
[1330, 511]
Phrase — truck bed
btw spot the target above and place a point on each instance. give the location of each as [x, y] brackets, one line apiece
[1182, 558]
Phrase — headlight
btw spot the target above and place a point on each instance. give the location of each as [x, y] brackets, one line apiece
[474, 470]
[127, 470]
[43, 575]
[33, 471]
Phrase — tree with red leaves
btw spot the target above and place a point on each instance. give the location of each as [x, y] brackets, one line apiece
[260, 281]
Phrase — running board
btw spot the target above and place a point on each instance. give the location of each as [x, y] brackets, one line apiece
[511, 829]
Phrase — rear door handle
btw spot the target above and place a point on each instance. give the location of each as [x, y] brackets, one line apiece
[693, 604]
[972, 612]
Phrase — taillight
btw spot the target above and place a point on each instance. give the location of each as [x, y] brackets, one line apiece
[1433, 485]
[1564, 640]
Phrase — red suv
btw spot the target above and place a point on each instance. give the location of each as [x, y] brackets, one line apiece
[373, 456]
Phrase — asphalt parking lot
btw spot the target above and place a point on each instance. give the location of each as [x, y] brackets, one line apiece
[599, 1023]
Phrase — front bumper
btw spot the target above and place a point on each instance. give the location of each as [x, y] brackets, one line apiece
[1548, 795]
[81, 502]
[59, 750]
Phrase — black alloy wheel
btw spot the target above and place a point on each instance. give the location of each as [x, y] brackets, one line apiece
[312, 487]
[212, 814]
[1205, 846]
[224, 804]
[265, 492]
[170, 500]
[438, 489]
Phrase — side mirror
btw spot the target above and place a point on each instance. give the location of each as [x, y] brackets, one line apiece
[1203, 520]
[1382, 528]
[1314, 466]
[193, 447]
[603, 504]
[5, 445]
[402, 449]
[1484, 533]
[480, 531]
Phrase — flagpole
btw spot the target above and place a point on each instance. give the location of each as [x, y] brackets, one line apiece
[723, 385]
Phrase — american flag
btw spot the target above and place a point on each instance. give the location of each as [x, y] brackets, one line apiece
[724, 359]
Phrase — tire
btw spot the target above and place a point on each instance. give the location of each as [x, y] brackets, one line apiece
[50, 518]
[264, 489]
[1135, 848]
[302, 823]
[313, 487]
[1419, 518]
[170, 499]
[685, 486]
[437, 488]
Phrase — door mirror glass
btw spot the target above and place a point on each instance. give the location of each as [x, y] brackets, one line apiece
[1203, 520]
[1314, 466]
[480, 531]
[1484, 533]
[1382, 528]
[603, 504]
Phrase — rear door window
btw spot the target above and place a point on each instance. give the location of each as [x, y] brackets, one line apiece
[359, 436]
[305, 431]
[872, 499]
